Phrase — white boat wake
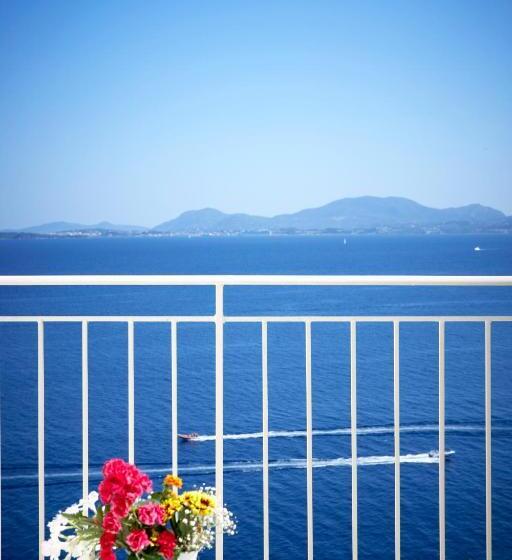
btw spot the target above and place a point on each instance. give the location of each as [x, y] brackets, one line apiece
[74, 473]
[371, 430]
[425, 458]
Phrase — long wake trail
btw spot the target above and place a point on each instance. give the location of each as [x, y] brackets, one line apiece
[370, 430]
[241, 466]
[68, 475]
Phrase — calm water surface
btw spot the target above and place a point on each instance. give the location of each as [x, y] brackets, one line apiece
[465, 480]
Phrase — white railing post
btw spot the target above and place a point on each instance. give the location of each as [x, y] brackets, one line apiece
[396, 414]
[264, 415]
[442, 458]
[219, 412]
[131, 393]
[85, 413]
[488, 455]
[353, 433]
[309, 441]
[40, 433]
[174, 397]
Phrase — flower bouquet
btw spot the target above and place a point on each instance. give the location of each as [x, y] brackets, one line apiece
[127, 515]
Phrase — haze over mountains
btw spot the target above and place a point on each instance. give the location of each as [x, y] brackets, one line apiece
[361, 214]
[344, 214]
[60, 227]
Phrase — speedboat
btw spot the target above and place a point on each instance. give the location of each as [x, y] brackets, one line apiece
[435, 453]
[188, 437]
[477, 248]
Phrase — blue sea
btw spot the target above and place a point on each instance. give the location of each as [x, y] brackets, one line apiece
[465, 470]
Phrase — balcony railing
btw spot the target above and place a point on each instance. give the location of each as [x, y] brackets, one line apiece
[219, 319]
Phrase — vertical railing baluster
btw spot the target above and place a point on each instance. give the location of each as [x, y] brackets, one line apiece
[219, 412]
[488, 480]
[396, 414]
[442, 509]
[264, 414]
[40, 433]
[174, 396]
[309, 441]
[353, 434]
[131, 393]
[85, 412]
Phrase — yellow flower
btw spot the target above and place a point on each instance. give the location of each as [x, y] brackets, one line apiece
[171, 480]
[171, 505]
[199, 503]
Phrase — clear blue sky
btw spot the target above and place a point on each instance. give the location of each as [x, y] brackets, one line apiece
[135, 111]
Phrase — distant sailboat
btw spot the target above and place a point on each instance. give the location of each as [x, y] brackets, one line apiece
[344, 241]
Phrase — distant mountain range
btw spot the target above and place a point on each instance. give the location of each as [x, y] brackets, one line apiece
[346, 214]
[361, 214]
[61, 227]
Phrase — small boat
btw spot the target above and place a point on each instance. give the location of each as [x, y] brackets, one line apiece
[435, 453]
[188, 437]
[477, 248]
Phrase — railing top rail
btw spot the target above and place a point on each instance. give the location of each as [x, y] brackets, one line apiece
[256, 318]
[254, 280]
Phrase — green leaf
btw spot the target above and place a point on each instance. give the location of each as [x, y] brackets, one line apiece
[151, 556]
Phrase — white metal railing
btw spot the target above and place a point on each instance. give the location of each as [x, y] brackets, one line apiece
[219, 319]
[396, 420]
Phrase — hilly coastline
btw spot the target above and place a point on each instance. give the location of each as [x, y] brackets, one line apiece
[366, 214]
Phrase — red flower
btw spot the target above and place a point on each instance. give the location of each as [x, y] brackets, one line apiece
[107, 554]
[123, 484]
[114, 467]
[120, 506]
[151, 514]
[105, 491]
[107, 541]
[137, 540]
[111, 523]
[132, 491]
[167, 544]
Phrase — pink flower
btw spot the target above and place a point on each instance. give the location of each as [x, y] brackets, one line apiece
[137, 540]
[111, 523]
[167, 544]
[151, 514]
[145, 482]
